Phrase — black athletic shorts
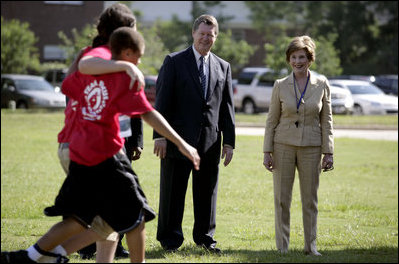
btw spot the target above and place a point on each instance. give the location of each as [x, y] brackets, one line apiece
[110, 189]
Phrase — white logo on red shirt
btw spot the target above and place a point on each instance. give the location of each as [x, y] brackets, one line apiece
[96, 95]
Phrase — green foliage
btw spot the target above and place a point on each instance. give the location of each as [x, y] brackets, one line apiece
[18, 51]
[79, 40]
[175, 34]
[275, 57]
[327, 57]
[365, 32]
[154, 54]
[237, 53]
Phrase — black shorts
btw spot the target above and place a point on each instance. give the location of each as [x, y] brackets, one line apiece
[110, 189]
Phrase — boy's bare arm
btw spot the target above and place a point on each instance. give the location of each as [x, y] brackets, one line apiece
[158, 122]
[94, 66]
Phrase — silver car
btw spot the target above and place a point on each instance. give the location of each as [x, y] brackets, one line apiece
[29, 91]
[341, 101]
[369, 99]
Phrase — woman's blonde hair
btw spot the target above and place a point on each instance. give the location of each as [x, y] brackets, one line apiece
[303, 42]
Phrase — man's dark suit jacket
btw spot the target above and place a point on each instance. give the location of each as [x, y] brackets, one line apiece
[199, 121]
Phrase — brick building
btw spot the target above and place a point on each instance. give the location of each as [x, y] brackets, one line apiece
[47, 18]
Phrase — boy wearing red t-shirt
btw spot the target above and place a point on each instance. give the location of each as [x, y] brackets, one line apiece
[100, 175]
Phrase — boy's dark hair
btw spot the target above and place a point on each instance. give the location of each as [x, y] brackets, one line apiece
[126, 38]
[115, 16]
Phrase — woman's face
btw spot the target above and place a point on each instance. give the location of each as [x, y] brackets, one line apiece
[299, 62]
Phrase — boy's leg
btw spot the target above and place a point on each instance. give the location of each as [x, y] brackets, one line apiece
[80, 240]
[105, 251]
[105, 248]
[59, 233]
[55, 236]
[136, 242]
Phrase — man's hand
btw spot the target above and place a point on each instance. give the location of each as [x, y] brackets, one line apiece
[136, 153]
[160, 148]
[227, 154]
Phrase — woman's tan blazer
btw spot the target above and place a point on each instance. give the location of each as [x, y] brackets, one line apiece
[314, 117]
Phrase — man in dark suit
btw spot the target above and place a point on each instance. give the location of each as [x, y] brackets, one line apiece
[194, 94]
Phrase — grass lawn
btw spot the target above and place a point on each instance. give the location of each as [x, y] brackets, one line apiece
[341, 121]
[358, 201]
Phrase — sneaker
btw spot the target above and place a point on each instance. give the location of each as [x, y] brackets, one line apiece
[20, 256]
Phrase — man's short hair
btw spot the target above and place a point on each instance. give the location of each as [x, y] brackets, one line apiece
[126, 38]
[207, 20]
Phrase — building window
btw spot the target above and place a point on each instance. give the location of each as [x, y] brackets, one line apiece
[53, 52]
[238, 34]
[64, 2]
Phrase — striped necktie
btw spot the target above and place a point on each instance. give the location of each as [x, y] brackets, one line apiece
[202, 76]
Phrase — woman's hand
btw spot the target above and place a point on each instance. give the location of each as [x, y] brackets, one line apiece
[328, 161]
[268, 161]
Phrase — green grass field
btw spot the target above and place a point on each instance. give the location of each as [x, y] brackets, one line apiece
[341, 121]
[358, 201]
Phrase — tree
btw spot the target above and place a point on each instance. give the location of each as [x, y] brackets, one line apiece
[154, 53]
[175, 34]
[235, 52]
[79, 40]
[275, 18]
[366, 31]
[18, 51]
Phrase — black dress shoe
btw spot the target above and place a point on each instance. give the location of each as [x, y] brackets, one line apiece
[88, 251]
[170, 249]
[212, 249]
[121, 252]
[86, 255]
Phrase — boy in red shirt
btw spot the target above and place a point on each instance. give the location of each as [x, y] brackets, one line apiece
[100, 175]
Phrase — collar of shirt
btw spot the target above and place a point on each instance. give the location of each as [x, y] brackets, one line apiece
[198, 55]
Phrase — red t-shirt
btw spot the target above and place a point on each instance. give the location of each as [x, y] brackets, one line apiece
[102, 99]
[70, 110]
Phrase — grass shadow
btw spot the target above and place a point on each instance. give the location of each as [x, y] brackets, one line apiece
[356, 255]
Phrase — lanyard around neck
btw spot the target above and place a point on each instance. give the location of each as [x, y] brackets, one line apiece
[298, 103]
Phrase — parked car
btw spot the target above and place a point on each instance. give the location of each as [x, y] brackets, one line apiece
[368, 98]
[55, 77]
[29, 91]
[150, 89]
[367, 78]
[254, 89]
[341, 100]
[387, 83]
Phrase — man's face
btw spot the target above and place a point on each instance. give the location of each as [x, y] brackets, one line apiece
[204, 38]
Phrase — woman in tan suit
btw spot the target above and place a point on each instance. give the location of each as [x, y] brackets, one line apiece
[298, 131]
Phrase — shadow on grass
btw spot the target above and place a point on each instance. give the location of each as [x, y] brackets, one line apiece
[371, 255]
